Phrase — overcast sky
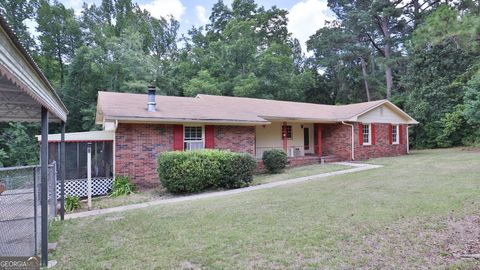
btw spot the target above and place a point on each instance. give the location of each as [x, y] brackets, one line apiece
[305, 16]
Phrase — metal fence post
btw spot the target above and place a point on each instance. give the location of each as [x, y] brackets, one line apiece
[35, 212]
[89, 175]
[44, 187]
[62, 172]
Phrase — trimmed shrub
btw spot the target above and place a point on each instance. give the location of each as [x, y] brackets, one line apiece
[274, 160]
[194, 171]
[237, 170]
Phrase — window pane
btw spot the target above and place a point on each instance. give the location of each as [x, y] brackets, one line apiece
[193, 133]
[366, 133]
[394, 133]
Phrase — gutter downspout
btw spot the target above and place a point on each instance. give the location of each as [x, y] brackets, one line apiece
[408, 141]
[114, 146]
[353, 139]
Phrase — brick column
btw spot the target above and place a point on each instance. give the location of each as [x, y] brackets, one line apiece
[319, 148]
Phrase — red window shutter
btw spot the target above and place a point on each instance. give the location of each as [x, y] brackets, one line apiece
[373, 133]
[177, 137]
[401, 127]
[390, 133]
[360, 134]
[209, 137]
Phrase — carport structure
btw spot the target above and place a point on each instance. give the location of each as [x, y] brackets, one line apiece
[27, 96]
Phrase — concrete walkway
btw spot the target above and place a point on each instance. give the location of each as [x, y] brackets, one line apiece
[357, 167]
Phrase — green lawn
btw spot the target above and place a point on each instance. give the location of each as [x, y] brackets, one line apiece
[402, 216]
[295, 172]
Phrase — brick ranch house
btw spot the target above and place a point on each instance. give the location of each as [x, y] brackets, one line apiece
[145, 125]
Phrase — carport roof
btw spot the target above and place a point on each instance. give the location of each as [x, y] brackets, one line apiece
[24, 89]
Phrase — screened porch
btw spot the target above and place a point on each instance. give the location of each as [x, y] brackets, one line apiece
[76, 149]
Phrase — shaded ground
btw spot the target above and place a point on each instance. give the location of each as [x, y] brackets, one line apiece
[462, 238]
[433, 243]
[17, 225]
[418, 212]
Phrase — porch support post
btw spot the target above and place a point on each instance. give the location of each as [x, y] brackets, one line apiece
[319, 140]
[44, 185]
[62, 171]
[285, 137]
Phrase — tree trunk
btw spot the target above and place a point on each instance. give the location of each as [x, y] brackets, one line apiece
[416, 13]
[388, 75]
[365, 80]
[387, 53]
[60, 61]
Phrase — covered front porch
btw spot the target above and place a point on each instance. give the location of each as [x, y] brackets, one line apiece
[297, 139]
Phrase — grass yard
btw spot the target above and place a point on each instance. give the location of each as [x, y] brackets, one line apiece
[418, 212]
[297, 172]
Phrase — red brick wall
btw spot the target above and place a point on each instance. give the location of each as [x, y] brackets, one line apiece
[138, 145]
[235, 138]
[382, 147]
[337, 140]
[136, 149]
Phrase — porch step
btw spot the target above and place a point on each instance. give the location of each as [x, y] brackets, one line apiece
[331, 158]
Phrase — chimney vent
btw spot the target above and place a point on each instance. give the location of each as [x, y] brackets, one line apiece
[151, 105]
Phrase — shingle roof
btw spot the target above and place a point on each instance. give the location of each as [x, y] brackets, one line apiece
[208, 108]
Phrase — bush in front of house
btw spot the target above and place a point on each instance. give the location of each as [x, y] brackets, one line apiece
[194, 171]
[274, 160]
[72, 203]
[121, 186]
[237, 170]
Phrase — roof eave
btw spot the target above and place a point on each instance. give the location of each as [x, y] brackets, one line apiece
[19, 47]
[303, 119]
[127, 119]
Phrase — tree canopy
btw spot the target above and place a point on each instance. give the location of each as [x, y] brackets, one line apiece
[423, 55]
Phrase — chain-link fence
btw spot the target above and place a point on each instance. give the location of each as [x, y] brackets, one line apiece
[20, 209]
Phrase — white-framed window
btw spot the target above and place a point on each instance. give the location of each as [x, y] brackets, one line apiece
[395, 135]
[367, 134]
[193, 138]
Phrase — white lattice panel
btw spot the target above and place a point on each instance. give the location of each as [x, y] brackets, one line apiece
[78, 187]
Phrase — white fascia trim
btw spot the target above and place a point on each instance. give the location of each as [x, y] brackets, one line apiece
[185, 121]
[410, 121]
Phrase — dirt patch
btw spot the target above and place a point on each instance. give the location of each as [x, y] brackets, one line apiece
[471, 149]
[435, 243]
[462, 237]
[189, 266]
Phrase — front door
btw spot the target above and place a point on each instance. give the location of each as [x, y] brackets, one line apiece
[306, 139]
